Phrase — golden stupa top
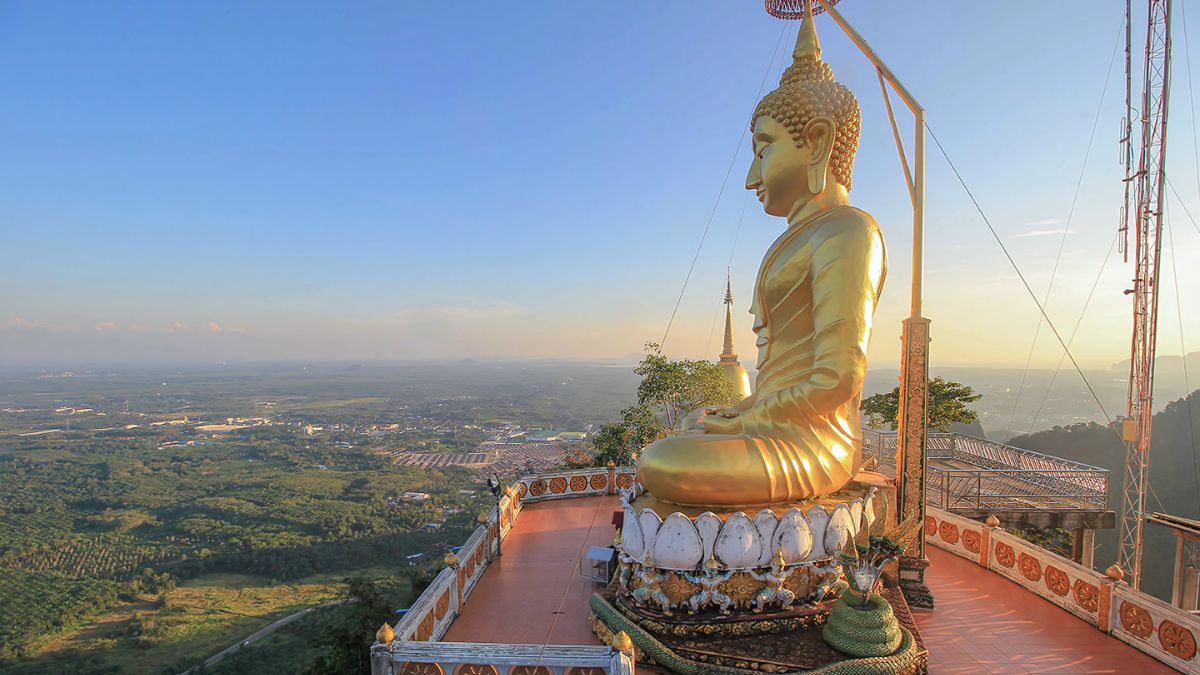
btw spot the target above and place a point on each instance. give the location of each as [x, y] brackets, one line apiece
[727, 352]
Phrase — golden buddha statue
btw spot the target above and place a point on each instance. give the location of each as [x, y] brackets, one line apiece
[799, 434]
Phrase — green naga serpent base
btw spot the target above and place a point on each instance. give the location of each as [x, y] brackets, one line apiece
[766, 654]
[869, 629]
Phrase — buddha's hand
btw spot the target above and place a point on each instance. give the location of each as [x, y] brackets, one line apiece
[694, 423]
[720, 424]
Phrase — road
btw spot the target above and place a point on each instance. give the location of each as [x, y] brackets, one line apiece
[262, 633]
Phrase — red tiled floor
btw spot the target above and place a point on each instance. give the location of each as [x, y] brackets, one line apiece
[534, 593]
[985, 623]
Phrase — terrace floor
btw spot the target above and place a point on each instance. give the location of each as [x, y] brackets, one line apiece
[983, 623]
[534, 593]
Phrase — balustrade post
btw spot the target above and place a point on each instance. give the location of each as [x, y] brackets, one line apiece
[1105, 609]
[451, 561]
[381, 660]
[612, 478]
[985, 546]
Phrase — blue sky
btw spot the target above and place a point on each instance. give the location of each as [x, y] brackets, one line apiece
[223, 181]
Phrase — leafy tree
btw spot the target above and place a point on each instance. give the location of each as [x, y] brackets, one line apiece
[668, 393]
[619, 442]
[947, 404]
[677, 388]
[576, 458]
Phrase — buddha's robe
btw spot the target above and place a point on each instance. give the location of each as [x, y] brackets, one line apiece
[800, 434]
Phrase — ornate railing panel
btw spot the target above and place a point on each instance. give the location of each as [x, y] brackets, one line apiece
[431, 615]
[960, 536]
[1075, 588]
[1067, 584]
[588, 482]
[472, 560]
[1161, 630]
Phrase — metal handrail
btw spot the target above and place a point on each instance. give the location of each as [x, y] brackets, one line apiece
[1007, 476]
[1015, 489]
[967, 447]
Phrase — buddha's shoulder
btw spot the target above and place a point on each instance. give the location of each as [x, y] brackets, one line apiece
[848, 220]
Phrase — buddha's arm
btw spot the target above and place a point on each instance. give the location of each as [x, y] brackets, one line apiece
[737, 408]
[845, 271]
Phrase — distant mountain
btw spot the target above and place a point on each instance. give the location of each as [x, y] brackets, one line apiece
[1174, 477]
[973, 429]
[1170, 365]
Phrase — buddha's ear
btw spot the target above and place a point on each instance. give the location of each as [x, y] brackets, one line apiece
[818, 138]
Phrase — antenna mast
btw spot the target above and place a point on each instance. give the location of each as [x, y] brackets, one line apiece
[1147, 229]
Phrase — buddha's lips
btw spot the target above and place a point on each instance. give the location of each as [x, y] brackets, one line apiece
[760, 194]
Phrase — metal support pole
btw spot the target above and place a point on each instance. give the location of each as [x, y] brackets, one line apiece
[914, 359]
[1177, 585]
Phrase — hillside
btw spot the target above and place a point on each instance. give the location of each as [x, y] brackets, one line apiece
[1174, 478]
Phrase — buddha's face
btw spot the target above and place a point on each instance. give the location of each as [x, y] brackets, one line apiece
[779, 172]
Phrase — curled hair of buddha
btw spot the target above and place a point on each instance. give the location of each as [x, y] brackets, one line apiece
[807, 90]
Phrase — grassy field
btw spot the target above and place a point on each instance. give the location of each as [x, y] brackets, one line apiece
[196, 620]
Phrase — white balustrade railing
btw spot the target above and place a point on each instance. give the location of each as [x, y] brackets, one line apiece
[419, 632]
[470, 657]
[1161, 630]
[592, 481]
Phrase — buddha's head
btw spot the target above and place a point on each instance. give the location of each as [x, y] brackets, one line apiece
[805, 132]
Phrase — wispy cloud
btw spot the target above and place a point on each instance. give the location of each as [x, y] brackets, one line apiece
[106, 326]
[214, 327]
[1043, 233]
[1043, 222]
[20, 323]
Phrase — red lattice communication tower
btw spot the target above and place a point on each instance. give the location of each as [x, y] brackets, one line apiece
[1146, 222]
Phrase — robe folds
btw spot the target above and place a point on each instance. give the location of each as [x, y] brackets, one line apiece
[800, 434]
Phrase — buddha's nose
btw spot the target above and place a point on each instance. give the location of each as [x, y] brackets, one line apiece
[753, 176]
